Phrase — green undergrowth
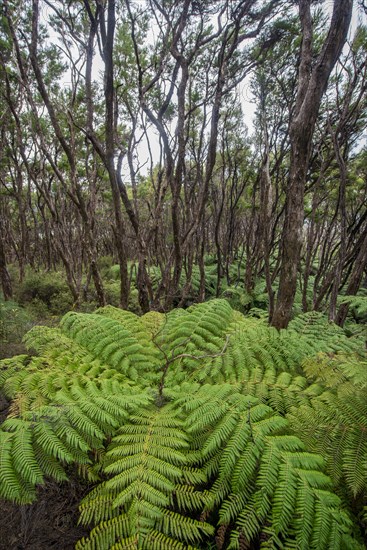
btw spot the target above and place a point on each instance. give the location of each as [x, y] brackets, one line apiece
[199, 428]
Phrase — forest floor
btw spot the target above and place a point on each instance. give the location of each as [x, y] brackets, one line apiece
[50, 522]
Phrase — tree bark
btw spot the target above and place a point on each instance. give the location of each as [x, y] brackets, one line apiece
[4, 274]
[110, 153]
[354, 281]
[312, 83]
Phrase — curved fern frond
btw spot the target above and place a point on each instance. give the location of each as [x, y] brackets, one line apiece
[145, 460]
[327, 336]
[206, 427]
[107, 339]
[40, 443]
[334, 422]
[264, 478]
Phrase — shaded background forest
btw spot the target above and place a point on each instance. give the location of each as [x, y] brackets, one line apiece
[128, 175]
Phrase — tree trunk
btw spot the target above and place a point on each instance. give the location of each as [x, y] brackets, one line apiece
[343, 235]
[312, 83]
[354, 281]
[4, 274]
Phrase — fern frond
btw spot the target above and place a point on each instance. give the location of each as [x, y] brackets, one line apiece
[108, 339]
[261, 473]
[206, 427]
[327, 336]
[333, 422]
[144, 481]
[359, 303]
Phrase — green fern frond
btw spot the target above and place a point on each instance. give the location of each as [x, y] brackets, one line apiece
[327, 336]
[265, 469]
[204, 425]
[333, 422]
[108, 339]
[145, 460]
[359, 303]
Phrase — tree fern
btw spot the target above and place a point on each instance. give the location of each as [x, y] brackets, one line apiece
[359, 303]
[315, 327]
[198, 427]
[336, 422]
[145, 461]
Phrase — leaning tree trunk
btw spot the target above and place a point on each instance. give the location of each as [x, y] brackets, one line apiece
[354, 281]
[4, 274]
[312, 83]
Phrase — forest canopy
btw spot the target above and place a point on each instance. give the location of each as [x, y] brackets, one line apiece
[124, 137]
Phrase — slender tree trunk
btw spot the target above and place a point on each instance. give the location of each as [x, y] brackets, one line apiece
[312, 82]
[70, 277]
[354, 281]
[202, 263]
[266, 202]
[343, 234]
[4, 274]
[68, 146]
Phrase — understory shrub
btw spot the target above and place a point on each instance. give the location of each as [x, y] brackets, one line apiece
[15, 321]
[47, 292]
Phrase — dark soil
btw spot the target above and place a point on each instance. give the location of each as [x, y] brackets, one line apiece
[9, 349]
[51, 522]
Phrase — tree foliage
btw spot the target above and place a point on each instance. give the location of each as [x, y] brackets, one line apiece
[125, 136]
